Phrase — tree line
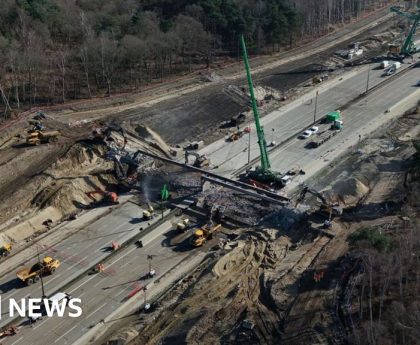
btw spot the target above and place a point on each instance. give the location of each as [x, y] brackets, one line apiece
[55, 50]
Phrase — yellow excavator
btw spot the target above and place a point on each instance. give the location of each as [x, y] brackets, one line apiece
[203, 234]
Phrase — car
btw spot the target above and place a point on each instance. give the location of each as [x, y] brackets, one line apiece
[418, 83]
[306, 134]
[314, 129]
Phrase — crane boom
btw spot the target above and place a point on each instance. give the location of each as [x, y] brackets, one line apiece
[265, 162]
[408, 47]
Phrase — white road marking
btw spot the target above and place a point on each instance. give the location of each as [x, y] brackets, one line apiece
[15, 342]
[66, 333]
[82, 284]
[93, 312]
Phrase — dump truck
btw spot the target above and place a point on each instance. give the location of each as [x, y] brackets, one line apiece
[38, 137]
[203, 234]
[5, 249]
[31, 275]
[182, 226]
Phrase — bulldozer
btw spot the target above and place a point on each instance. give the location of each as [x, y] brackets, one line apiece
[31, 275]
[37, 137]
[5, 249]
[203, 234]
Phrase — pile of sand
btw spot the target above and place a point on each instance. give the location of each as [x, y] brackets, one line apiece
[349, 191]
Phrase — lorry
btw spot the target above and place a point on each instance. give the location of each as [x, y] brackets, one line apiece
[332, 116]
[31, 275]
[200, 236]
[321, 138]
[38, 137]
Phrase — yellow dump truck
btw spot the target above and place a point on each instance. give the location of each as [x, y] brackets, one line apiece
[39, 137]
[31, 275]
[5, 249]
[203, 234]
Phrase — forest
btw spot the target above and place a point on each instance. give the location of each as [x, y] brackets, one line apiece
[55, 50]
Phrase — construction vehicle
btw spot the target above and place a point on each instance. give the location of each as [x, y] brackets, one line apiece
[262, 173]
[332, 116]
[234, 121]
[31, 275]
[354, 50]
[319, 78]
[408, 48]
[200, 160]
[148, 214]
[182, 226]
[235, 135]
[337, 125]
[37, 137]
[109, 198]
[333, 209]
[203, 234]
[5, 249]
[321, 138]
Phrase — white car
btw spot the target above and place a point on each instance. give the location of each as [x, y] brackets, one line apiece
[314, 129]
[306, 134]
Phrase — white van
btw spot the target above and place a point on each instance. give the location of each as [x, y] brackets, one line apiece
[59, 296]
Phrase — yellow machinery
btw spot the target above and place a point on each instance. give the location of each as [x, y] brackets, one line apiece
[38, 137]
[5, 249]
[148, 214]
[31, 275]
[182, 226]
[203, 234]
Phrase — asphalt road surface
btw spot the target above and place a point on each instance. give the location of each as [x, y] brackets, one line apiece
[281, 124]
[77, 253]
[125, 275]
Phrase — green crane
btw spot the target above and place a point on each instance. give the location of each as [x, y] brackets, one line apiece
[262, 173]
[408, 48]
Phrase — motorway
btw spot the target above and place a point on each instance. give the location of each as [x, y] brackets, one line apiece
[101, 294]
[77, 254]
[282, 124]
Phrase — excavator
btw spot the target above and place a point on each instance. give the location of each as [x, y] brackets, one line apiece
[332, 209]
[200, 160]
[203, 234]
[109, 198]
[408, 48]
